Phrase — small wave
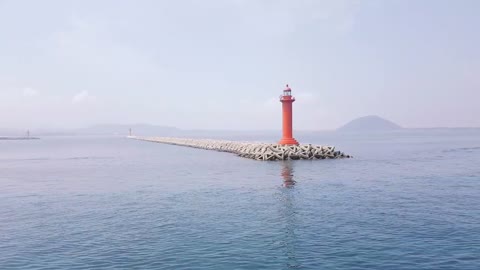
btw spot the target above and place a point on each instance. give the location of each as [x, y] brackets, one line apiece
[24, 159]
[80, 158]
[462, 149]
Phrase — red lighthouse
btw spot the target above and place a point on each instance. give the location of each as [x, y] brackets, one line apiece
[286, 99]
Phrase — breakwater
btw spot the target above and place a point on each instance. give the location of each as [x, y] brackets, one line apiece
[254, 150]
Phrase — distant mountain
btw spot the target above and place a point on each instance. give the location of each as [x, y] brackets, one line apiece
[122, 129]
[11, 132]
[369, 123]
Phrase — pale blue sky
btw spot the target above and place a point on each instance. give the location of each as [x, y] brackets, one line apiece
[219, 64]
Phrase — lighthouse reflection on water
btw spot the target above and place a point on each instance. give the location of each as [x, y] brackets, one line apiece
[288, 210]
[287, 174]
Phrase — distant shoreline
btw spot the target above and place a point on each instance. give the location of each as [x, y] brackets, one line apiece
[18, 138]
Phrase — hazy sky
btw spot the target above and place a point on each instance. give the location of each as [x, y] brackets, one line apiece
[222, 64]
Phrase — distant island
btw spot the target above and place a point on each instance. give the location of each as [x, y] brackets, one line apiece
[369, 123]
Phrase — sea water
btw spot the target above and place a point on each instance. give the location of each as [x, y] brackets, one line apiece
[407, 200]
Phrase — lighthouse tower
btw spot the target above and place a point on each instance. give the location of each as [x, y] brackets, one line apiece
[286, 99]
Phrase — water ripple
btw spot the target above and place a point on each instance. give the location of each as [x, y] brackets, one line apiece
[156, 207]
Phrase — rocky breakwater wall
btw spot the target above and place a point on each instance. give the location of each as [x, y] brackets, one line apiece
[254, 150]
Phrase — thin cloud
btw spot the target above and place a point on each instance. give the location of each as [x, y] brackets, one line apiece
[307, 98]
[83, 97]
[30, 92]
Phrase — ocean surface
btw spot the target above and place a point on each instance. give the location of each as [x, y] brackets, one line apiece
[407, 200]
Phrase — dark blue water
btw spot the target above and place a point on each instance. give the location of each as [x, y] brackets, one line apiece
[408, 200]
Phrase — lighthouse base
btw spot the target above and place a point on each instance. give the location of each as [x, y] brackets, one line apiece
[288, 141]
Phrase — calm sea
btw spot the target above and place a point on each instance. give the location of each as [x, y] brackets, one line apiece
[408, 200]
